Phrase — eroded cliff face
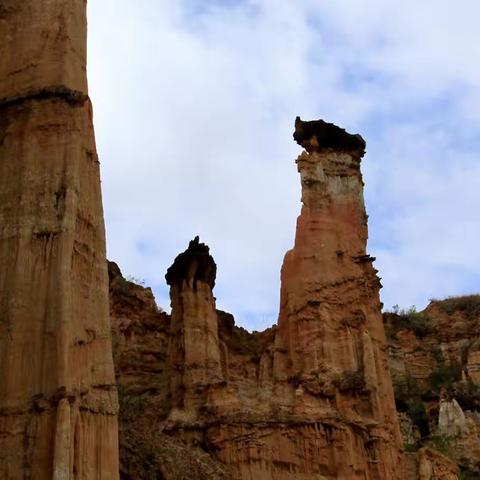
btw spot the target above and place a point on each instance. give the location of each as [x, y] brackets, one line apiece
[58, 401]
[435, 363]
[201, 398]
[311, 398]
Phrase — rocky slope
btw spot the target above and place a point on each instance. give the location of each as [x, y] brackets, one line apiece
[435, 364]
[58, 401]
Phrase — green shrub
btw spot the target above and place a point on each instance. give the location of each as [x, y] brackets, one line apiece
[445, 375]
[417, 412]
[131, 403]
[405, 387]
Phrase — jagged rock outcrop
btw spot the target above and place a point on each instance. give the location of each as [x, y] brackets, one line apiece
[58, 401]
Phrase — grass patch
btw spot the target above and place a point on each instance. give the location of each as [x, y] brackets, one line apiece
[410, 447]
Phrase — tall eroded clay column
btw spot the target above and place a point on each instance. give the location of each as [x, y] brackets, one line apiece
[58, 402]
[193, 351]
[330, 342]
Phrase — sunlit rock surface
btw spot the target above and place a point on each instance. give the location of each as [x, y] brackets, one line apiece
[58, 401]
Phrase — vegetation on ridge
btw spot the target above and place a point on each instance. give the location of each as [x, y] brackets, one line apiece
[418, 322]
[468, 305]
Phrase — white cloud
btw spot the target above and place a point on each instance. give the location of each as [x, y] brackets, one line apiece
[194, 107]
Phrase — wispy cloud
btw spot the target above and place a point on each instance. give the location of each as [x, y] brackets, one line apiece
[194, 108]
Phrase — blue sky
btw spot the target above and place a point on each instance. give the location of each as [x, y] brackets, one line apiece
[194, 108]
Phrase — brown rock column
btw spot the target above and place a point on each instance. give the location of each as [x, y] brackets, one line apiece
[58, 402]
[330, 340]
[193, 350]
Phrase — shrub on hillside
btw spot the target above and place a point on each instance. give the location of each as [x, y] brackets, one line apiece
[445, 375]
[418, 322]
[405, 387]
[417, 412]
[468, 305]
[467, 395]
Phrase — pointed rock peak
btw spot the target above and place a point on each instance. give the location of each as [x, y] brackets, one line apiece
[195, 263]
[318, 135]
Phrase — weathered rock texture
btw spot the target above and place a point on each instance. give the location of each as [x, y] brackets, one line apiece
[435, 466]
[309, 399]
[435, 363]
[330, 342]
[58, 402]
[141, 336]
[193, 349]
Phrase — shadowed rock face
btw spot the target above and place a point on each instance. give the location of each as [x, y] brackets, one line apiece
[58, 402]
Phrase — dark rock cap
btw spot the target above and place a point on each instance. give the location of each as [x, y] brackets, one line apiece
[318, 135]
[195, 263]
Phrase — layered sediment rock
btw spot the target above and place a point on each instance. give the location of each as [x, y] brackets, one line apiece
[330, 342]
[141, 334]
[58, 402]
[311, 398]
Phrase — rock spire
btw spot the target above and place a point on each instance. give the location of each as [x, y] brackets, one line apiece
[193, 349]
[330, 341]
[58, 401]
